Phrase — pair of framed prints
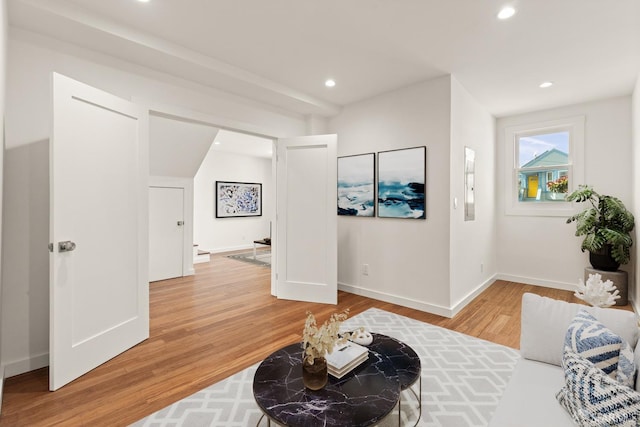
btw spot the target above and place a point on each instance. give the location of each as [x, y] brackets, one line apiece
[401, 176]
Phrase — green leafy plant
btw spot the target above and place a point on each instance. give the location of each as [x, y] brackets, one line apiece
[605, 222]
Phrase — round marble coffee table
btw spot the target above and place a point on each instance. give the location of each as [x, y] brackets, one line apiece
[406, 362]
[363, 397]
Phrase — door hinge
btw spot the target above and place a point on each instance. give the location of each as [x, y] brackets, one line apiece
[50, 247]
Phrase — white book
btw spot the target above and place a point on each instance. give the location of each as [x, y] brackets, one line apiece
[347, 368]
[344, 354]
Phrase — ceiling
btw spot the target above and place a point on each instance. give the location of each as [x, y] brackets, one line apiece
[281, 51]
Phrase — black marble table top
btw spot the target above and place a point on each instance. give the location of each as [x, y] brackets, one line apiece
[404, 358]
[361, 398]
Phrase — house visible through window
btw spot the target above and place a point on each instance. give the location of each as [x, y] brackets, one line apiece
[543, 166]
[545, 162]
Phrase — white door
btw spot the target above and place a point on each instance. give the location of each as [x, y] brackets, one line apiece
[166, 232]
[99, 292]
[306, 219]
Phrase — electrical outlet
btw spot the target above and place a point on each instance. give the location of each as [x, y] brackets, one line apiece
[365, 269]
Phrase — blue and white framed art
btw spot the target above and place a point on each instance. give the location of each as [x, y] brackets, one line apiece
[356, 185]
[238, 199]
[401, 183]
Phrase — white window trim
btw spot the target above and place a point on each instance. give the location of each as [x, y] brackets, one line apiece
[575, 126]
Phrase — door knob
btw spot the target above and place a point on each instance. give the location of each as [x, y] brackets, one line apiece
[180, 223]
[66, 246]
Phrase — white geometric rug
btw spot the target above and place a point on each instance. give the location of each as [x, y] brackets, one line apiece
[263, 257]
[463, 379]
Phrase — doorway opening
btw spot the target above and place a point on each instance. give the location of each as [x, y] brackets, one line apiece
[189, 156]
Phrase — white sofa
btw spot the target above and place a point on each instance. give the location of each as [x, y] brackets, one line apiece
[530, 397]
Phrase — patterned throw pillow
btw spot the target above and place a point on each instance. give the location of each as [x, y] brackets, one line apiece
[593, 399]
[626, 372]
[592, 340]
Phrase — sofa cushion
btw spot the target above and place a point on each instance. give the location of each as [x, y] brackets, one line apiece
[594, 399]
[529, 399]
[545, 322]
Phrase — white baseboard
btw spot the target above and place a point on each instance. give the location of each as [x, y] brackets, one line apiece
[201, 259]
[26, 365]
[231, 248]
[395, 299]
[419, 305]
[455, 309]
[537, 282]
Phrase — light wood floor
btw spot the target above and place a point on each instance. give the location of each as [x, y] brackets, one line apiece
[212, 325]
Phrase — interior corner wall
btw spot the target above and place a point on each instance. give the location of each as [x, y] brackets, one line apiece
[3, 73]
[227, 234]
[634, 293]
[473, 243]
[544, 250]
[31, 60]
[408, 259]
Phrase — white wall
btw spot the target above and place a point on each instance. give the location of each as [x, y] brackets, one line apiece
[177, 148]
[408, 259]
[544, 250]
[31, 59]
[3, 73]
[473, 243]
[634, 291]
[226, 234]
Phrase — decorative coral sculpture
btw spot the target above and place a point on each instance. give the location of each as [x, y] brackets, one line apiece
[596, 292]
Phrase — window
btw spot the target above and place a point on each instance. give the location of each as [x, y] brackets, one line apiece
[546, 164]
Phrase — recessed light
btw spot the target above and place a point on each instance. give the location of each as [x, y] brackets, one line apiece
[545, 85]
[144, 1]
[506, 12]
[330, 83]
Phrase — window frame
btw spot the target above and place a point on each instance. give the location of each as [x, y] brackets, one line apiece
[575, 167]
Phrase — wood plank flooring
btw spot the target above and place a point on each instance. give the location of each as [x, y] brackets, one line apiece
[212, 325]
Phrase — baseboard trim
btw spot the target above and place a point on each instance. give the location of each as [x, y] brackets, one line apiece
[231, 248]
[455, 309]
[395, 299]
[537, 282]
[26, 365]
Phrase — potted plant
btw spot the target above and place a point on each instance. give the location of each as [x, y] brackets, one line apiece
[557, 187]
[606, 225]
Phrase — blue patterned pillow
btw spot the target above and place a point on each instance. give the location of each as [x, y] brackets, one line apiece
[592, 340]
[626, 372]
[594, 399]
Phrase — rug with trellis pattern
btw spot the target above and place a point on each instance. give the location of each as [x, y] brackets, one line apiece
[463, 379]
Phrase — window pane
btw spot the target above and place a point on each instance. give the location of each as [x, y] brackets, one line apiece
[548, 149]
[549, 185]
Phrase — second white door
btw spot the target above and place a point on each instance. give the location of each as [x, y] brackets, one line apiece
[166, 232]
[306, 219]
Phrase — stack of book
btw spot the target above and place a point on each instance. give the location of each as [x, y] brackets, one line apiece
[345, 358]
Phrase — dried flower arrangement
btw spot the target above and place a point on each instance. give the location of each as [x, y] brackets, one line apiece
[318, 341]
